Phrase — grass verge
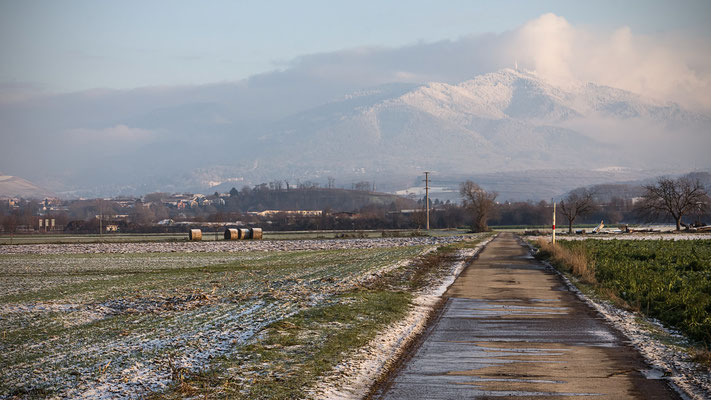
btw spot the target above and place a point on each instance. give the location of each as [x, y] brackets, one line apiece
[290, 355]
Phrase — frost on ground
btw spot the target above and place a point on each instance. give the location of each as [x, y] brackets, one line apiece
[126, 325]
[662, 348]
[629, 236]
[352, 379]
[226, 246]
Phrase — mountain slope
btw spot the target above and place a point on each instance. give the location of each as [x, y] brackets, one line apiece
[13, 186]
[503, 121]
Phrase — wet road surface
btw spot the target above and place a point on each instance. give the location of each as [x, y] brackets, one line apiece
[511, 329]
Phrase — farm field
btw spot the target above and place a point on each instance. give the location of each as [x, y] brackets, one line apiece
[208, 236]
[129, 320]
[666, 279]
[674, 236]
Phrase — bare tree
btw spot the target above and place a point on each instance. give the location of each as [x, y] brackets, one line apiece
[363, 186]
[9, 223]
[276, 185]
[577, 204]
[674, 198]
[479, 202]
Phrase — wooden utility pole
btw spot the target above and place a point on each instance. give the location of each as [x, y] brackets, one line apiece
[427, 201]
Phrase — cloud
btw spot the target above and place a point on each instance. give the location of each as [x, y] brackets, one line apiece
[19, 92]
[664, 66]
[118, 133]
[169, 121]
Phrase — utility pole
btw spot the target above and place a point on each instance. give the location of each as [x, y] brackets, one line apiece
[427, 200]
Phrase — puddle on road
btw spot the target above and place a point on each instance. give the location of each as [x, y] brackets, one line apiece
[652, 373]
[504, 308]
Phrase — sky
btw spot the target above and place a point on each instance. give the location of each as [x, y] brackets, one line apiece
[150, 79]
[67, 46]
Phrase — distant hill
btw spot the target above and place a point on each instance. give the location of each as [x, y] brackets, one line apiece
[516, 132]
[498, 122]
[13, 186]
[316, 199]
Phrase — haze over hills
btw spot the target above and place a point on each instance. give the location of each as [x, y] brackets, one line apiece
[13, 186]
[499, 122]
[508, 128]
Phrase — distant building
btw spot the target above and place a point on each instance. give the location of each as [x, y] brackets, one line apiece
[301, 213]
[46, 224]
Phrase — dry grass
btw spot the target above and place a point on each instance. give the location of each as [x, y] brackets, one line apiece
[703, 357]
[575, 260]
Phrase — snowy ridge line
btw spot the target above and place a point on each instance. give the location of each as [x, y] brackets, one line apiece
[682, 375]
[353, 378]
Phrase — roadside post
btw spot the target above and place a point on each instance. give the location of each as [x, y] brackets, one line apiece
[553, 233]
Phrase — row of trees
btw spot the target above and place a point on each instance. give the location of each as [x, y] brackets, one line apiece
[666, 198]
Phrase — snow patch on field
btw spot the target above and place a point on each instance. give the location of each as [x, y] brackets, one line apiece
[352, 379]
[227, 246]
[164, 331]
[629, 236]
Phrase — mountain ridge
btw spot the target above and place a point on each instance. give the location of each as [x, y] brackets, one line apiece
[504, 121]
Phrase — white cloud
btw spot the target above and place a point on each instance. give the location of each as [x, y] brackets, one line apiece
[665, 66]
[662, 66]
[168, 121]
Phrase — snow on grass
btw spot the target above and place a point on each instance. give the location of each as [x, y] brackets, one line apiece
[126, 325]
[353, 378]
[629, 236]
[227, 246]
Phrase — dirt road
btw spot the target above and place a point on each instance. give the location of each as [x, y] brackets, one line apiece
[511, 329]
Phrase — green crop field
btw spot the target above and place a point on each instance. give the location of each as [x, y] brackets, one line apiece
[668, 280]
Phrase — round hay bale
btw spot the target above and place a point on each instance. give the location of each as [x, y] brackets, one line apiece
[244, 233]
[256, 233]
[195, 234]
[231, 234]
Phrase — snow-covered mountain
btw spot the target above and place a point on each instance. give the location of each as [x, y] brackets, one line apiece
[13, 186]
[503, 121]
